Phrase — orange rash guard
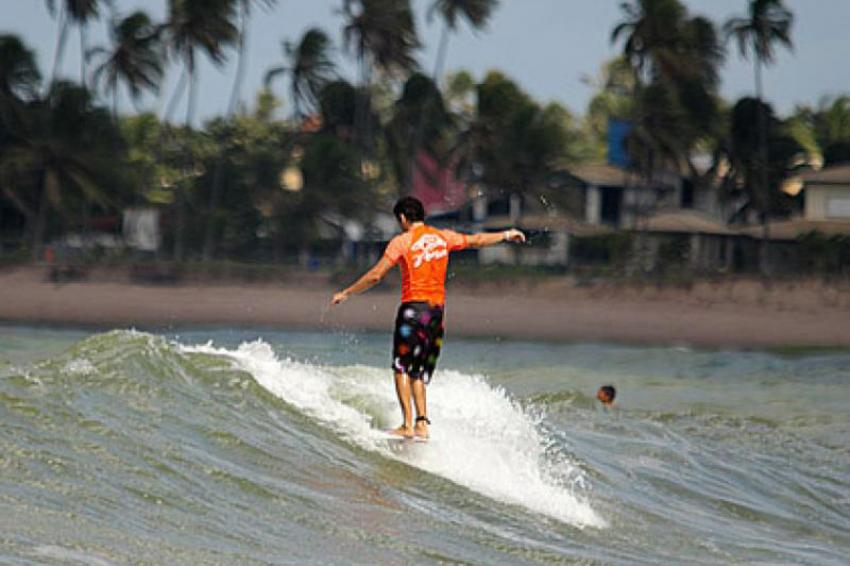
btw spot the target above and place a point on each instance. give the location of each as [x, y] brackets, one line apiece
[423, 254]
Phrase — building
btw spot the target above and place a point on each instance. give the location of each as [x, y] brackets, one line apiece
[827, 194]
[687, 239]
[826, 207]
[618, 198]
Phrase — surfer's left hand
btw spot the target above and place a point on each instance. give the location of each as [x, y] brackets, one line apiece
[340, 297]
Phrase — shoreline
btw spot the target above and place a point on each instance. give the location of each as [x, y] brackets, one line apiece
[710, 315]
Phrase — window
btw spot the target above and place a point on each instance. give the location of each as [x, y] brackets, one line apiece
[838, 208]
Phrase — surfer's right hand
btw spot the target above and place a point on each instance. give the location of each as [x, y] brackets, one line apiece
[340, 297]
[513, 235]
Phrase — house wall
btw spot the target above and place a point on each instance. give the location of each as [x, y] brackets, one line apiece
[592, 205]
[706, 199]
[555, 252]
[639, 204]
[827, 203]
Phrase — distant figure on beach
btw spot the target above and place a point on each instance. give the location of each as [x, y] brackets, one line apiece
[422, 253]
[606, 395]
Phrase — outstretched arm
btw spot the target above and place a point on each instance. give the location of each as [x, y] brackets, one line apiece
[483, 239]
[367, 281]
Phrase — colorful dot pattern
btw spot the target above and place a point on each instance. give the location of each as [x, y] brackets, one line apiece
[417, 339]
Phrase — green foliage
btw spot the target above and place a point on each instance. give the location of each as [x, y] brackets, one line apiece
[136, 57]
[419, 122]
[310, 68]
[675, 60]
[338, 103]
[80, 11]
[19, 74]
[63, 155]
[475, 12]
[512, 141]
[382, 34]
[201, 24]
[611, 249]
[824, 131]
[823, 254]
[613, 98]
[459, 92]
[743, 149]
[767, 23]
[673, 252]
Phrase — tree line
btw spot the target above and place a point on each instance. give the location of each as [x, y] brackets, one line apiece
[252, 184]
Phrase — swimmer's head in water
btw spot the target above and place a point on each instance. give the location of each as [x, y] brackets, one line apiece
[606, 394]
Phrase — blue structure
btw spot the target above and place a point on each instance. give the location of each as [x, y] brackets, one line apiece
[618, 131]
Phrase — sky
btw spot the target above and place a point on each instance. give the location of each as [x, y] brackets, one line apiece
[547, 46]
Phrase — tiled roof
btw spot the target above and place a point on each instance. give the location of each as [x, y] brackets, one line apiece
[684, 221]
[835, 175]
[600, 174]
[792, 229]
[547, 223]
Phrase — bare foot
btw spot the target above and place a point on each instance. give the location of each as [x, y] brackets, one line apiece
[404, 431]
[421, 429]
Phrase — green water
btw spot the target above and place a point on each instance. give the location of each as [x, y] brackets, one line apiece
[259, 447]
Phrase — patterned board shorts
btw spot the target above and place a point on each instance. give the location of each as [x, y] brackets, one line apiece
[417, 339]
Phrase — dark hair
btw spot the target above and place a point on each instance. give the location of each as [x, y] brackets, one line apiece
[609, 391]
[411, 208]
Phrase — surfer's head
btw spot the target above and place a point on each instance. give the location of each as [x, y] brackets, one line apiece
[606, 394]
[407, 211]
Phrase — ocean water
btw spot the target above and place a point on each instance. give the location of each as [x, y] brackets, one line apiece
[264, 447]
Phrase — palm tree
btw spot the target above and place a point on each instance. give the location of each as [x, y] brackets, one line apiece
[420, 121]
[382, 35]
[768, 23]
[19, 75]
[310, 67]
[65, 152]
[136, 58]
[651, 36]
[205, 25]
[824, 130]
[242, 45]
[218, 176]
[19, 82]
[674, 58]
[78, 12]
[192, 25]
[475, 12]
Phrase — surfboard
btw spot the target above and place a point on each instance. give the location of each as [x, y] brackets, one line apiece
[386, 434]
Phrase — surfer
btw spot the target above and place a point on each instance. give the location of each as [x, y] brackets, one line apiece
[606, 395]
[422, 253]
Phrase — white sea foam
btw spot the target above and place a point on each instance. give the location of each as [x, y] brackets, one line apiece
[481, 438]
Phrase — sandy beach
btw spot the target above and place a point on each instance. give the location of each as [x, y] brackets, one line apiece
[740, 314]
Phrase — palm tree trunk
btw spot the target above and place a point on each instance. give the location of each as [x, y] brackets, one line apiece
[28, 213]
[180, 227]
[175, 98]
[83, 58]
[442, 53]
[218, 175]
[180, 223]
[764, 189]
[59, 51]
[363, 106]
[41, 218]
[417, 135]
[115, 102]
[190, 106]
[240, 63]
